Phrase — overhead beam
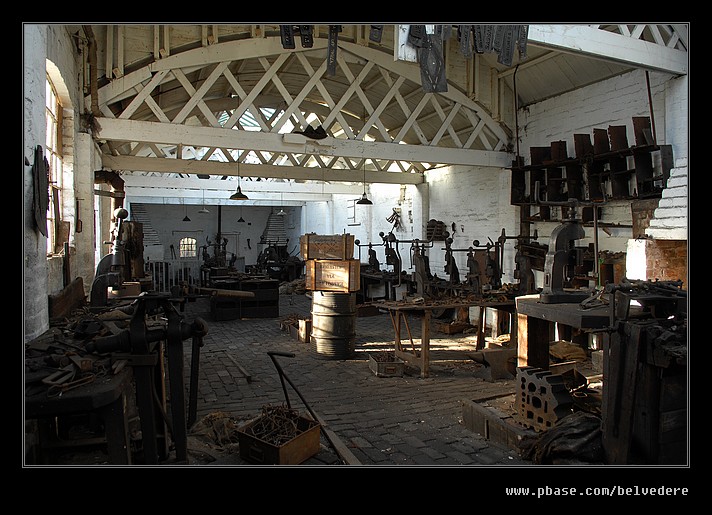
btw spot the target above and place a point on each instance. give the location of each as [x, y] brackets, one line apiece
[195, 187]
[265, 171]
[609, 46]
[112, 129]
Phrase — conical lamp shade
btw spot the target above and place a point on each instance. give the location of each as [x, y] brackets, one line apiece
[238, 195]
[364, 200]
[186, 219]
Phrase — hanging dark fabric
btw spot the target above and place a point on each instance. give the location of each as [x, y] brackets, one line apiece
[331, 49]
[502, 39]
[286, 34]
[40, 187]
[464, 35]
[510, 34]
[306, 33]
[430, 57]
[376, 33]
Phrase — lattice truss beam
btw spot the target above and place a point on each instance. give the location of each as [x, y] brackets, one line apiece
[243, 101]
[669, 36]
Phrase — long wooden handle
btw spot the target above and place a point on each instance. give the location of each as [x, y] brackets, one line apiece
[226, 293]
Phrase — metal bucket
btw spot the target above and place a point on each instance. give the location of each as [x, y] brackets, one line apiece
[334, 324]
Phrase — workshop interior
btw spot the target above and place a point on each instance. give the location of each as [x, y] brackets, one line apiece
[500, 207]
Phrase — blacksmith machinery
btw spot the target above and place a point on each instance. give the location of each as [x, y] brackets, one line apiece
[484, 267]
[156, 328]
[565, 272]
[391, 275]
[111, 272]
[529, 257]
[278, 263]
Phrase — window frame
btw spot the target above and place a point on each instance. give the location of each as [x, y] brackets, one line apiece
[188, 248]
[53, 149]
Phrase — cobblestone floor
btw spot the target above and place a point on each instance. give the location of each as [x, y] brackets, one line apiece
[406, 420]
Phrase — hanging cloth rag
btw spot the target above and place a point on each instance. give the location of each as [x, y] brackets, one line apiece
[40, 186]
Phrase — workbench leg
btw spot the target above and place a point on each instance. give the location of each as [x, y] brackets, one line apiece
[116, 430]
[532, 342]
[425, 345]
[178, 405]
[143, 376]
[481, 322]
[397, 327]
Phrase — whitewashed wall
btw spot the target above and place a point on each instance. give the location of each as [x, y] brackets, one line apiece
[167, 221]
[34, 287]
[612, 102]
[477, 201]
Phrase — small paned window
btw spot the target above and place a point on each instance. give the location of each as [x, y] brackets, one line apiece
[188, 248]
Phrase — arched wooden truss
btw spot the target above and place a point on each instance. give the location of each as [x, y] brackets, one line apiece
[203, 110]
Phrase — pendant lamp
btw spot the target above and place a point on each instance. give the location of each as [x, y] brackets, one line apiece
[204, 210]
[238, 195]
[281, 211]
[364, 200]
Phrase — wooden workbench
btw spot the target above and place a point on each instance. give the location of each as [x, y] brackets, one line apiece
[398, 312]
[535, 326]
[105, 397]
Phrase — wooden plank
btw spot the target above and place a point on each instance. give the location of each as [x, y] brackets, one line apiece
[69, 298]
[565, 313]
[533, 337]
[226, 293]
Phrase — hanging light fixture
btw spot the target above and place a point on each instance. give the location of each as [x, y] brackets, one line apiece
[204, 210]
[364, 200]
[241, 220]
[186, 219]
[281, 211]
[238, 195]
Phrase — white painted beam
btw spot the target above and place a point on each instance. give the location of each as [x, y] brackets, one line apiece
[217, 168]
[601, 44]
[174, 134]
[194, 186]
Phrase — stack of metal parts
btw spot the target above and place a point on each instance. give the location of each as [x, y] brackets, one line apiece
[542, 398]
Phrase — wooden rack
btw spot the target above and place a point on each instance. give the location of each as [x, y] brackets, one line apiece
[607, 165]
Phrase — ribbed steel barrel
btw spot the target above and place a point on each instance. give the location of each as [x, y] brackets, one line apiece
[334, 324]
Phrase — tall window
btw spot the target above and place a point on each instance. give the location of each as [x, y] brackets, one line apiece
[53, 148]
[188, 248]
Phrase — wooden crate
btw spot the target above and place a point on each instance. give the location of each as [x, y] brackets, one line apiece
[333, 275]
[385, 365]
[303, 446]
[317, 246]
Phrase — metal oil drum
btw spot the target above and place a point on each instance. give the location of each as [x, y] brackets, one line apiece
[334, 324]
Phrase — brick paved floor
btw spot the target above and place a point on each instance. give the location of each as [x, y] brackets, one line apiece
[405, 420]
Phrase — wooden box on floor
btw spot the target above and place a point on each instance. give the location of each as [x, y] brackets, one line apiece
[317, 246]
[385, 365]
[333, 275]
[303, 446]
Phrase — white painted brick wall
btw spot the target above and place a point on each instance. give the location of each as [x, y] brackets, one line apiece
[615, 102]
[477, 200]
[670, 218]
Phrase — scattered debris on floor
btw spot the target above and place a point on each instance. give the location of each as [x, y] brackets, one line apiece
[298, 286]
[213, 436]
